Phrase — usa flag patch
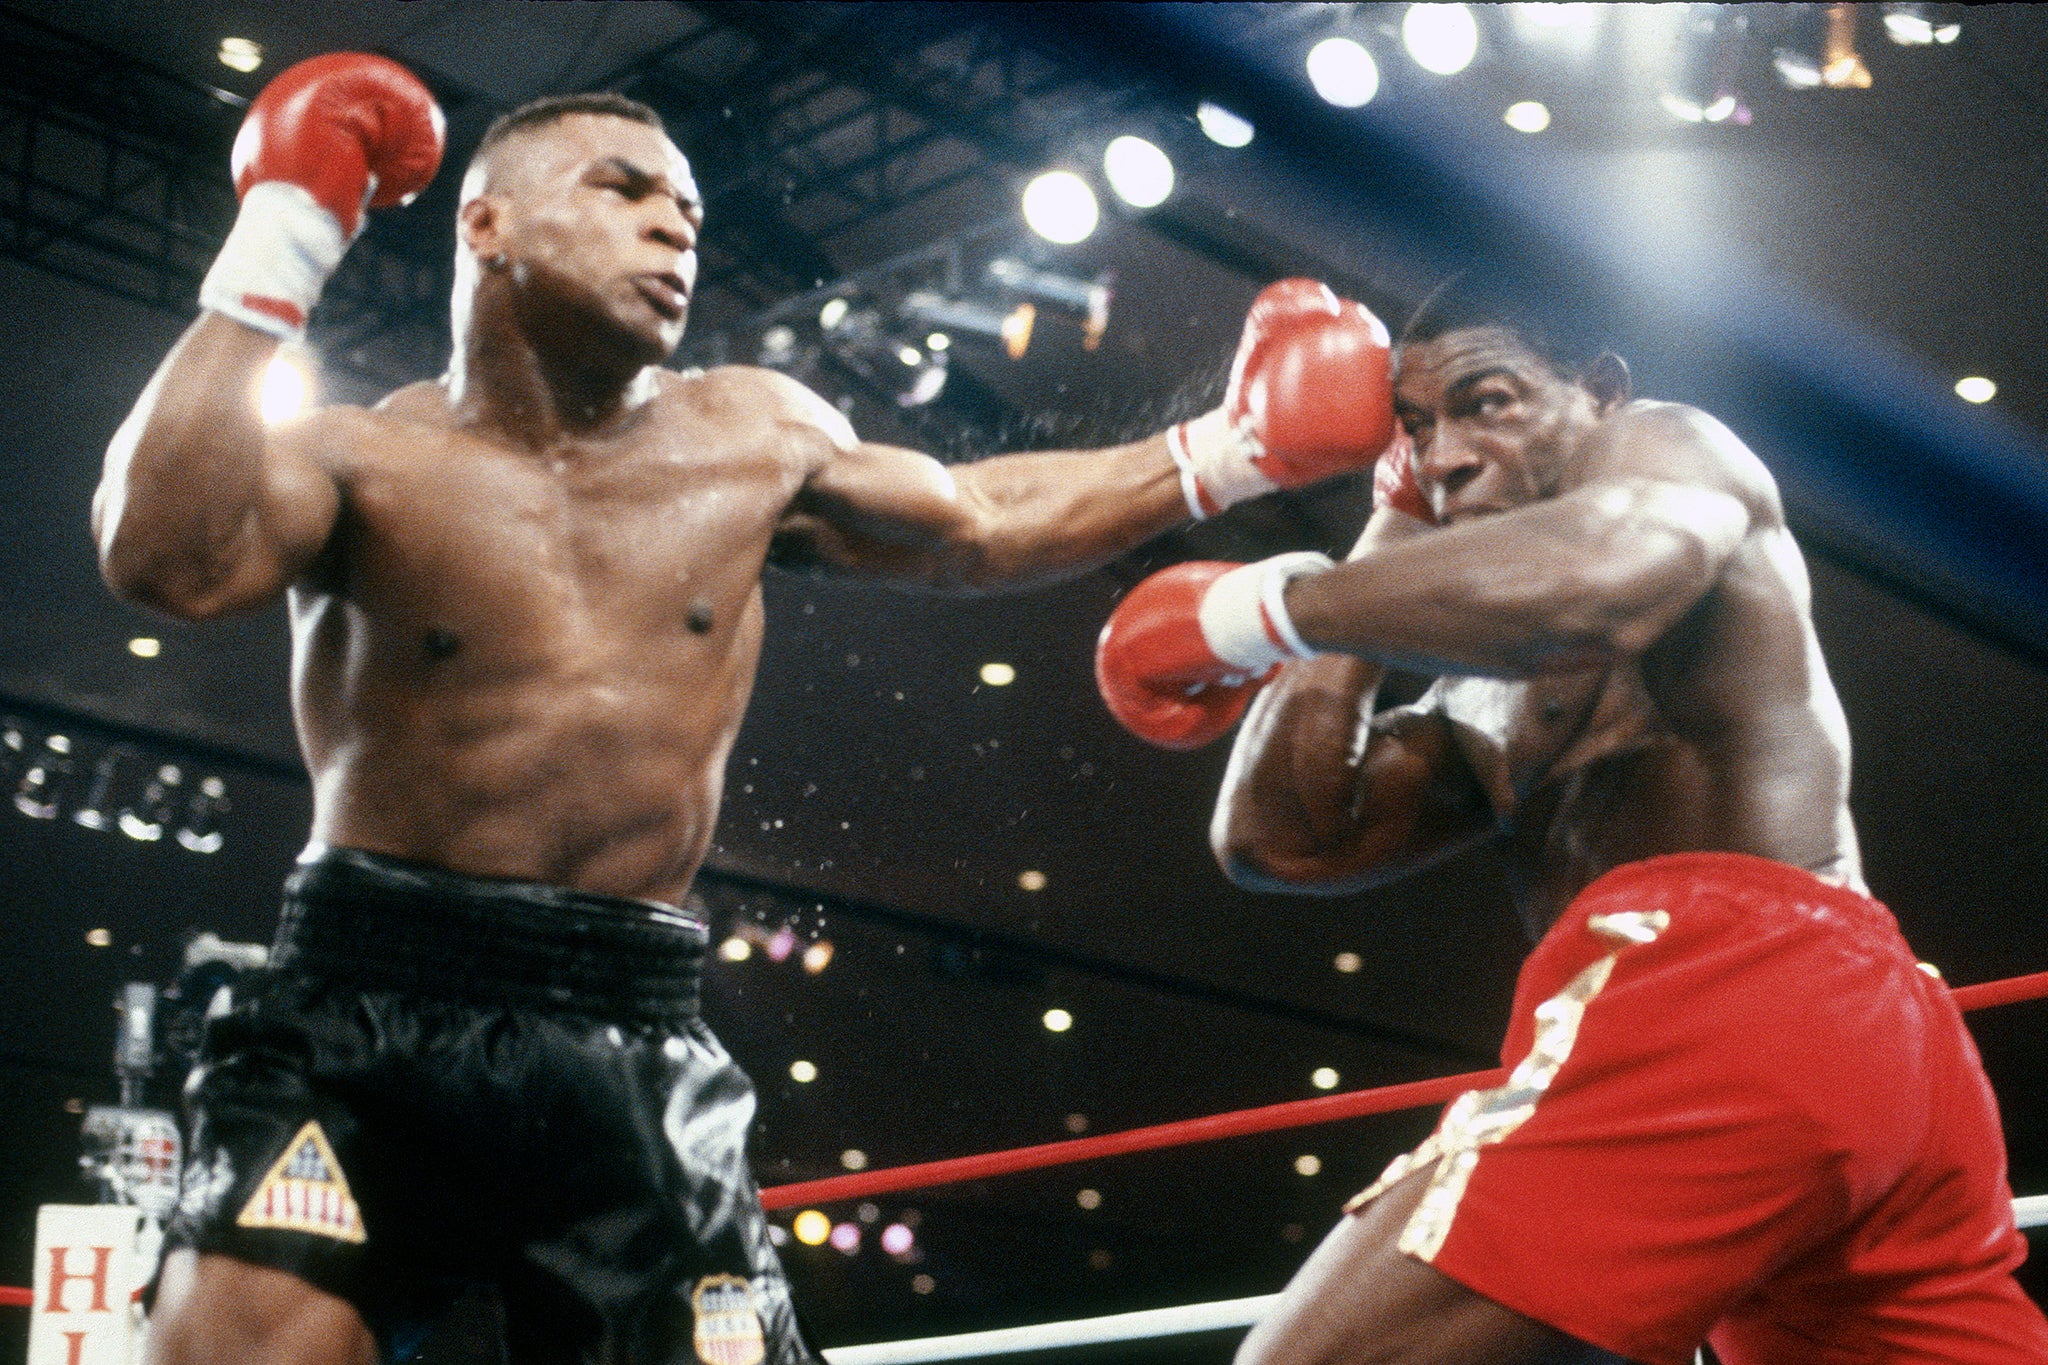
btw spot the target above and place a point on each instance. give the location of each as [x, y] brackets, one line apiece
[728, 1325]
[304, 1191]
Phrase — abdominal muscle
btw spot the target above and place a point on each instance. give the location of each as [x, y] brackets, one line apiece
[596, 770]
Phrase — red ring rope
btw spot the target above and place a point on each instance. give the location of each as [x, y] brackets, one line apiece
[1292, 1114]
[1239, 1123]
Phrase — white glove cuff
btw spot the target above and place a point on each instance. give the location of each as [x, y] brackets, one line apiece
[1244, 613]
[275, 262]
[1215, 459]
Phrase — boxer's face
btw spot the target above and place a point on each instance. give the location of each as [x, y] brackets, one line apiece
[600, 212]
[1493, 424]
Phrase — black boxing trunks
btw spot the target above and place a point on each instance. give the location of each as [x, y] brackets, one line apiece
[445, 1084]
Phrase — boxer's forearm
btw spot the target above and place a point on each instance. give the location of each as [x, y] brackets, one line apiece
[1566, 584]
[1048, 515]
[1289, 798]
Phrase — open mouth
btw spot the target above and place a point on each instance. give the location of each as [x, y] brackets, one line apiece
[664, 293]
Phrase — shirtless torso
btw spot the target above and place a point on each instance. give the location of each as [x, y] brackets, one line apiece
[1622, 623]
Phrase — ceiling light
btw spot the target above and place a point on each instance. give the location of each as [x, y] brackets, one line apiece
[240, 54]
[854, 1159]
[833, 313]
[818, 956]
[1343, 73]
[99, 938]
[287, 386]
[1324, 1078]
[1031, 879]
[1349, 962]
[1061, 208]
[937, 341]
[1088, 1199]
[1017, 330]
[1057, 1020]
[811, 1228]
[1441, 38]
[998, 674]
[1223, 128]
[1308, 1163]
[735, 949]
[1797, 70]
[846, 1238]
[803, 1073]
[909, 354]
[145, 647]
[898, 1239]
[1976, 389]
[1527, 116]
[1139, 172]
[922, 1284]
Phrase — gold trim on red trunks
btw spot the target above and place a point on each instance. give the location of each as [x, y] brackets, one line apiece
[1479, 1118]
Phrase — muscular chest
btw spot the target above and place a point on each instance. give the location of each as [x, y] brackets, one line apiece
[1521, 735]
[471, 538]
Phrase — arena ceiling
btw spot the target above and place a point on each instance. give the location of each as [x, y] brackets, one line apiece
[1820, 275]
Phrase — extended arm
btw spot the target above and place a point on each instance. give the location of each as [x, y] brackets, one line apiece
[1011, 521]
[1310, 396]
[1557, 586]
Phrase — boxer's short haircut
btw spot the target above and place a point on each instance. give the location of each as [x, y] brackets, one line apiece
[550, 108]
[1464, 301]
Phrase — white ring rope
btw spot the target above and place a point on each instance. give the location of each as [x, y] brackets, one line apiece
[2030, 1212]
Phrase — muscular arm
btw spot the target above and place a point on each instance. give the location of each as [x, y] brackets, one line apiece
[1570, 582]
[882, 512]
[1321, 796]
[201, 509]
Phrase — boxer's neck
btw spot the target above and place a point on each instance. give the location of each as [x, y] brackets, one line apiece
[537, 394]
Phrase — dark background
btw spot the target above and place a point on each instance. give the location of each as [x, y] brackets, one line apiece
[1819, 277]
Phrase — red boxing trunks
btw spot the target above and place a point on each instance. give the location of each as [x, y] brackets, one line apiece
[1737, 1113]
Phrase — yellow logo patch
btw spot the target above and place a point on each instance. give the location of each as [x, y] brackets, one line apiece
[728, 1325]
[304, 1192]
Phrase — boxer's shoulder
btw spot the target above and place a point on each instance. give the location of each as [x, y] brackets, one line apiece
[1678, 443]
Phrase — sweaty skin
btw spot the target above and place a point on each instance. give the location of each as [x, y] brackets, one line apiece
[1622, 623]
[525, 599]
[1628, 667]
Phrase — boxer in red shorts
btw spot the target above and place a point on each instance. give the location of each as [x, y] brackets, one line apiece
[1737, 1113]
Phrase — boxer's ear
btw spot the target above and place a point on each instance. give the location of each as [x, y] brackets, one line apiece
[1607, 380]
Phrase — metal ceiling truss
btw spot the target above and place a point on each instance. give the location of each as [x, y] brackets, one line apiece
[113, 173]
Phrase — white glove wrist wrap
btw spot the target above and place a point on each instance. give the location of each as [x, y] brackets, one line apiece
[1244, 613]
[275, 262]
[1215, 460]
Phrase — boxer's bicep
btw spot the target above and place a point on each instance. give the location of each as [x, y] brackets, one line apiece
[880, 511]
[205, 507]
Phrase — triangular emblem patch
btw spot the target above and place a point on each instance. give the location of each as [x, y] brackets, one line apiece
[304, 1191]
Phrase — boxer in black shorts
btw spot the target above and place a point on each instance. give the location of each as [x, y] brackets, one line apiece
[526, 613]
[511, 1083]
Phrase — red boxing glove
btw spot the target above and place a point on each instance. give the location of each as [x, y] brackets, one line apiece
[1395, 485]
[326, 138]
[1311, 396]
[1180, 657]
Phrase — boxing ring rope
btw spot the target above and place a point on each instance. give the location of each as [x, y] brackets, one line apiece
[1238, 1123]
[2028, 1212]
